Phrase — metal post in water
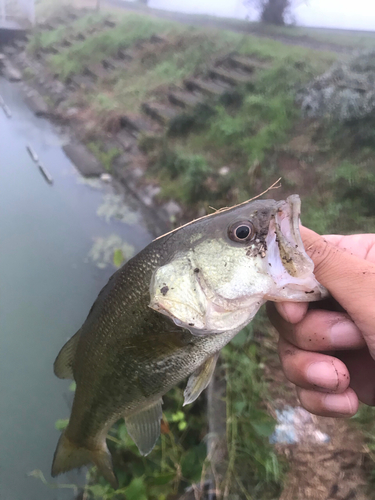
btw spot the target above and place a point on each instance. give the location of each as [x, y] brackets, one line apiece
[46, 174]
[32, 153]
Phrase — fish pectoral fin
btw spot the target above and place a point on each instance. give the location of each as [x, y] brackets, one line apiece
[200, 379]
[63, 365]
[144, 427]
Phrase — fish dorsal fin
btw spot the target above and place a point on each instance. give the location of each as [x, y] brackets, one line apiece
[200, 379]
[144, 427]
[63, 365]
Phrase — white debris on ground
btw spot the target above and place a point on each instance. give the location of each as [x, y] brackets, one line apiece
[296, 425]
[106, 177]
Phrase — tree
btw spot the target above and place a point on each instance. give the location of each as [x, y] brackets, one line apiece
[272, 11]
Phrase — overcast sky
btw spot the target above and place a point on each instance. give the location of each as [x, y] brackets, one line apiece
[349, 14]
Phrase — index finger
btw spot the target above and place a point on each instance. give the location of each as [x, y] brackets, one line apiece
[349, 279]
[361, 245]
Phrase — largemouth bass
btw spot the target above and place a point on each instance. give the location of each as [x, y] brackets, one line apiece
[167, 313]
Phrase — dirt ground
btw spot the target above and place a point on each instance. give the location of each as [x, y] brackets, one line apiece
[334, 470]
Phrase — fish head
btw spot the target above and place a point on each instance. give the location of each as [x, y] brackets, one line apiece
[223, 267]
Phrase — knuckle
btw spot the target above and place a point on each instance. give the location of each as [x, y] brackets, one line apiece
[322, 254]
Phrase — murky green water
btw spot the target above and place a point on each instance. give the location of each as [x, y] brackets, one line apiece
[54, 243]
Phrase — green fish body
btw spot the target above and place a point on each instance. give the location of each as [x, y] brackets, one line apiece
[167, 313]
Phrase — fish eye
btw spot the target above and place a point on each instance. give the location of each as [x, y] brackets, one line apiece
[241, 231]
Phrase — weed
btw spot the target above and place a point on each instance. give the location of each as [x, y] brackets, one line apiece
[28, 73]
[365, 421]
[253, 466]
[98, 46]
[105, 157]
[191, 171]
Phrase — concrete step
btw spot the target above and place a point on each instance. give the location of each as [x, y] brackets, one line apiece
[208, 88]
[66, 42]
[127, 141]
[125, 55]
[248, 64]
[110, 23]
[10, 71]
[72, 15]
[158, 39]
[82, 81]
[162, 113]
[36, 103]
[79, 37]
[184, 99]
[115, 64]
[19, 43]
[45, 26]
[232, 77]
[52, 49]
[97, 71]
[138, 124]
[84, 160]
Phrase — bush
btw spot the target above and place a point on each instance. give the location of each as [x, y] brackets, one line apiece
[346, 92]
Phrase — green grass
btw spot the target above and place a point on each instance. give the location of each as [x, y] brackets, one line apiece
[241, 136]
[254, 470]
[133, 28]
[42, 40]
[190, 51]
[105, 156]
[364, 420]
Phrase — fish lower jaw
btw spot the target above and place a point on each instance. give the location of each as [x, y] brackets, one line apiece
[220, 319]
[308, 291]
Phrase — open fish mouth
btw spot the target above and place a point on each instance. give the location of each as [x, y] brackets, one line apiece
[219, 287]
[289, 265]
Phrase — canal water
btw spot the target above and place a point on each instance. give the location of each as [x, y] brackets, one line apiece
[56, 248]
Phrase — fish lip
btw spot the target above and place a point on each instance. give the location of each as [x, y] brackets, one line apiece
[290, 209]
[292, 251]
[294, 202]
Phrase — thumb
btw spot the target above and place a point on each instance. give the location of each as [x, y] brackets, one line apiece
[349, 279]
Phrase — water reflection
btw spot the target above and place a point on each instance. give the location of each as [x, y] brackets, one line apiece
[104, 250]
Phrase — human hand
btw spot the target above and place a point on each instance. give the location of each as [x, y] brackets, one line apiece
[330, 385]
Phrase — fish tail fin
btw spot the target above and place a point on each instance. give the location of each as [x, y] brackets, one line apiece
[70, 456]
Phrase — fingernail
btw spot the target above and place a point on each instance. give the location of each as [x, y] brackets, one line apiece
[346, 334]
[323, 375]
[340, 403]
